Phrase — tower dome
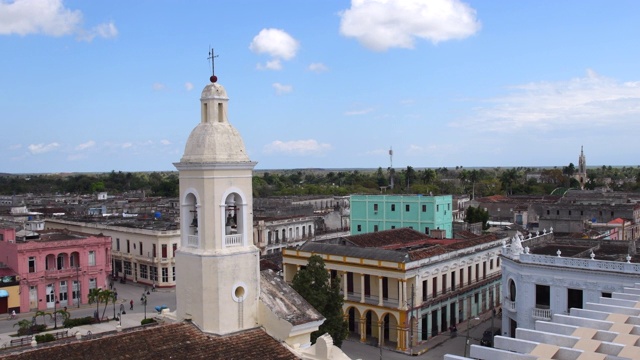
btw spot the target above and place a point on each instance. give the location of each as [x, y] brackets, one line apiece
[214, 139]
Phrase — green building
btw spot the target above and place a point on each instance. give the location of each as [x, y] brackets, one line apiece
[371, 213]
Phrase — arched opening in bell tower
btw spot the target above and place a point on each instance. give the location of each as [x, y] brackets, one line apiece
[191, 221]
[233, 220]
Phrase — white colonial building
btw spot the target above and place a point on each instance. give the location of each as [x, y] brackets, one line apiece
[567, 299]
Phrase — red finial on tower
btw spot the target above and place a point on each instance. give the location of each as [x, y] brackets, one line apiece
[213, 78]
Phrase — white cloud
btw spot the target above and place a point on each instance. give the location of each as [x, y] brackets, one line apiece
[358, 112]
[382, 24]
[579, 103]
[48, 17]
[86, 145]
[158, 86]
[318, 67]
[35, 149]
[270, 65]
[275, 42]
[282, 89]
[188, 86]
[165, 142]
[297, 147]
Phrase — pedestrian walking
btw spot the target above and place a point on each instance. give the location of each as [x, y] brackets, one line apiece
[131, 304]
[153, 287]
[13, 314]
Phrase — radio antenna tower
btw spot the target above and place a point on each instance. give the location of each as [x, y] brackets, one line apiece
[391, 168]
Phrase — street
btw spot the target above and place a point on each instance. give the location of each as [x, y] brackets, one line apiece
[126, 293]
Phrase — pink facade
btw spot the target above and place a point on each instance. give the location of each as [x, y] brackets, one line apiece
[59, 266]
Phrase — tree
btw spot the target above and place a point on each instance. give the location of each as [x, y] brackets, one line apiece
[43, 314]
[95, 295]
[314, 285]
[106, 296]
[475, 215]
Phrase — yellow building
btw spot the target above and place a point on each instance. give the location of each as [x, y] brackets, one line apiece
[401, 287]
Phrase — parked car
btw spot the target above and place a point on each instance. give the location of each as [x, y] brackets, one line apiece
[487, 336]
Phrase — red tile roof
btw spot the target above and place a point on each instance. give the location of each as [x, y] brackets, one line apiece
[167, 341]
[402, 236]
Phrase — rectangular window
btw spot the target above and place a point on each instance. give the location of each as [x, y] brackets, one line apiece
[92, 258]
[140, 247]
[547, 212]
[491, 264]
[375, 207]
[128, 246]
[581, 212]
[426, 230]
[92, 283]
[557, 212]
[143, 272]
[127, 268]
[569, 212]
[477, 272]
[375, 228]
[154, 251]
[165, 274]
[359, 228]
[444, 283]
[164, 251]
[424, 208]
[434, 287]
[606, 294]
[424, 290]
[175, 248]
[393, 226]
[72, 261]
[32, 264]
[407, 207]
[393, 207]
[117, 244]
[173, 271]
[438, 208]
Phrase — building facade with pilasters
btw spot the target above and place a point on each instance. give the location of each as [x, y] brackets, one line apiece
[400, 297]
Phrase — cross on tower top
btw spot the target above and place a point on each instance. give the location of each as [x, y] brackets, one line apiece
[212, 57]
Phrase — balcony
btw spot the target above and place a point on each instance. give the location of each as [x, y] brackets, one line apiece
[61, 272]
[541, 314]
[372, 300]
[509, 305]
[233, 240]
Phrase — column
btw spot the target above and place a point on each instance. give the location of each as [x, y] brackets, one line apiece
[404, 292]
[380, 333]
[363, 329]
[380, 292]
[362, 288]
[344, 285]
[400, 298]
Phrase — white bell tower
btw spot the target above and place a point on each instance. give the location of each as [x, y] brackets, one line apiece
[217, 266]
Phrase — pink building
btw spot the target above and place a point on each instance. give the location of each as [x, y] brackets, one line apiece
[56, 265]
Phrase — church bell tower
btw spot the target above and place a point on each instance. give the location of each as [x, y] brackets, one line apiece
[218, 267]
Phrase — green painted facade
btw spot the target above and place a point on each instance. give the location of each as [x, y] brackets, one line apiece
[371, 213]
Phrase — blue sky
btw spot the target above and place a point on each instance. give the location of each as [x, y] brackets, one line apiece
[115, 85]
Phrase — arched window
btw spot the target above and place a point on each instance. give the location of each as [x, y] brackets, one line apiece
[512, 290]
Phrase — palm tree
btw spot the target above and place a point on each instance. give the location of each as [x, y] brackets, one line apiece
[96, 295]
[106, 296]
[43, 314]
[23, 326]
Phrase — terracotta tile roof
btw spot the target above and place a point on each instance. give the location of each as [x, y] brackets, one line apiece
[170, 341]
[387, 238]
[451, 246]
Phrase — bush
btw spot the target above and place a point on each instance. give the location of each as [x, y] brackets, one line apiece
[147, 321]
[87, 320]
[45, 338]
[32, 330]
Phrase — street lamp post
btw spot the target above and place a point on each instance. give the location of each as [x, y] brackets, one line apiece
[466, 345]
[55, 311]
[143, 299]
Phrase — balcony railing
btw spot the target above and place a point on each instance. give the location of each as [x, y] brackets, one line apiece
[193, 240]
[541, 314]
[509, 305]
[64, 271]
[233, 240]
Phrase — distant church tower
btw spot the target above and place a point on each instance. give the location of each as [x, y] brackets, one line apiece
[581, 176]
[218, 267]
